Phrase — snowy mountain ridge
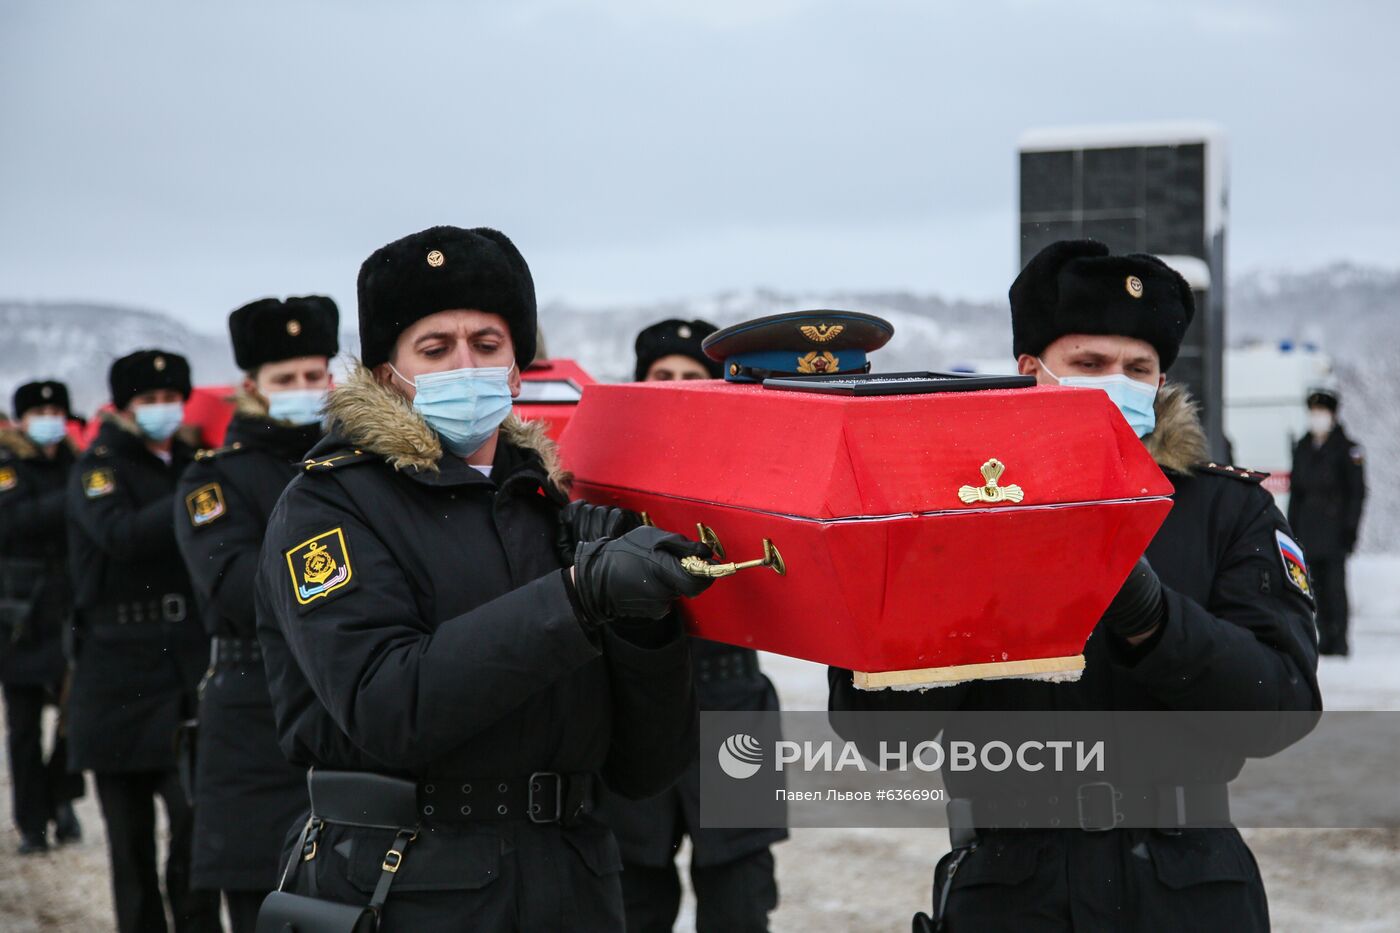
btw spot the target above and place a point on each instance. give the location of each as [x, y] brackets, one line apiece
[1351, 312]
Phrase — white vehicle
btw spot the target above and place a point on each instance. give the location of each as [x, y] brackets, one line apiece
[1266, 391]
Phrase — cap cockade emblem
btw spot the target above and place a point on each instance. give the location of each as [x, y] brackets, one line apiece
[1134, 285]
[822, 333]
[990, 493]
[435, 258]
[159, 364]
[293, 327]
[818, 363]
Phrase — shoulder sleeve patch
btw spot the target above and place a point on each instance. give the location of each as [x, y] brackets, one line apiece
[319, 566]
[1234, 472]
[9, 479]
[1295, 564]
[336, 461]
[99, 482]
[206, 504]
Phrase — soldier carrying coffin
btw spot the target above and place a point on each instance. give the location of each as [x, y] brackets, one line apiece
[458, 690]
[1217, 616]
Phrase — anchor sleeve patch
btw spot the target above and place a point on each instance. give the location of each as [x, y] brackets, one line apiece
[319, 566]
[206, 504]
[9, 479]
[98, 483]
[1295, 565]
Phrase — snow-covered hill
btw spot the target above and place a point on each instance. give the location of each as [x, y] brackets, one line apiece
[1351, 312]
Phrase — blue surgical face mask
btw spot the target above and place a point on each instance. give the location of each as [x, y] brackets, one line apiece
[1136, 400]
[160, 420]
[464, 406]
[297, 406]
[46, 429]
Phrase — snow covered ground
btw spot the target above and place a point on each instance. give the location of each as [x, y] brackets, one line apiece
[874, 880]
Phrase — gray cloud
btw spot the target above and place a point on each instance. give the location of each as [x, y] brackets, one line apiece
[187, 158]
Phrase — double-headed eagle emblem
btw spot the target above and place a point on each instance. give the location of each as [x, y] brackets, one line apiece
[990, 493]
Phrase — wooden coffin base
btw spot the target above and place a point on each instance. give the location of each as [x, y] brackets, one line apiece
[1052, 669]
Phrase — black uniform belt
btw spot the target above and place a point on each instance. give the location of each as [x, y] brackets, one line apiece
[234, 652]
[739, 664]
[359, 798]
[171, 607]
[1099, 806]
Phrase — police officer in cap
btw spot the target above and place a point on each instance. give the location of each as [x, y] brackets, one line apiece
[458, 690]
[35, 604]
[1215, 617]
[246, 793]
[140, 648]
[731, 869]
[1324, 506]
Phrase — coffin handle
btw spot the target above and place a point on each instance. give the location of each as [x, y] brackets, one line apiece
[699, 567]
[706, 536]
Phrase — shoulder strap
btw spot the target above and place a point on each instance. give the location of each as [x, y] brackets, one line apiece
[210, 454]
[1233, 472]
[337, 460]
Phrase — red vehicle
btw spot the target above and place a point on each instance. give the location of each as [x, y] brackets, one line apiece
[550, 391]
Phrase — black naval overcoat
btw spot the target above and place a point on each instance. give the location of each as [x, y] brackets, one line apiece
[649, 831]
[246, 792]
[140, 650]
[415, 621]
[1238, 635]
[33, 547]
[1326, 496]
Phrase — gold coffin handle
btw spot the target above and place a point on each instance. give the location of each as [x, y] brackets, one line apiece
[699, 567]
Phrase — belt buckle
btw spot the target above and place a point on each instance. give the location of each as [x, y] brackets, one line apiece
[172, 607]
[536, 783]
[1108, 794]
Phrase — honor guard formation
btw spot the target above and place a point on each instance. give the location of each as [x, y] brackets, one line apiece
[385, 670]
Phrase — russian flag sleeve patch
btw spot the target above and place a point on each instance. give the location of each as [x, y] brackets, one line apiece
[1295, 565]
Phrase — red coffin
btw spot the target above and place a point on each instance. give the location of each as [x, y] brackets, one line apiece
[888, 571]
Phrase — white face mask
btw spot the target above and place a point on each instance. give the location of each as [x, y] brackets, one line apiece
[1136, 400]
[1320, 422]
[160, 420]
[297, 406]
[464, 406]
[47, 429]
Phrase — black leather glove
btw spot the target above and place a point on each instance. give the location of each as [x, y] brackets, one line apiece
[1138, 607]
[636, 576]
[580, 522]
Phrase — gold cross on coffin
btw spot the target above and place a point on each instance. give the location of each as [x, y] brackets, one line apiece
[990, 493]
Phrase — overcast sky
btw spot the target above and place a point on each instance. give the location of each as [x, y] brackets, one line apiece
[188, 158]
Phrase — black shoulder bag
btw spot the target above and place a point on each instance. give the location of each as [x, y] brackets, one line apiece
[282, 912]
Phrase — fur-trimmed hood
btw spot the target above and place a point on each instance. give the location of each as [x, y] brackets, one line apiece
[1178, 442]
[249, 405]
[374, 417]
